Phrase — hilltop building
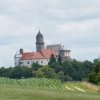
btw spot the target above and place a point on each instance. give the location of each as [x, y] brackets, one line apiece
[42, 54]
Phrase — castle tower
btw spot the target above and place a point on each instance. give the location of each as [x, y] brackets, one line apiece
[39, 41]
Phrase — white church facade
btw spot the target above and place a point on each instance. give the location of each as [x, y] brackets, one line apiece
[42, 54]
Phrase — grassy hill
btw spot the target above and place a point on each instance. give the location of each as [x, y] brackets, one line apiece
[46, 89]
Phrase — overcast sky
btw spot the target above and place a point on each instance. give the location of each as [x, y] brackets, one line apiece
[72, 23]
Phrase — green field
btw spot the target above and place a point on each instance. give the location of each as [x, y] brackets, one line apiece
[46, 89]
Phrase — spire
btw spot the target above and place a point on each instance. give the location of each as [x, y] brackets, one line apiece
[39, 31]
[39, 34]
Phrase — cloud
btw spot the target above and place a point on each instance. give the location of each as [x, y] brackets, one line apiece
[73, 23]
[84, 53]
[87, 30]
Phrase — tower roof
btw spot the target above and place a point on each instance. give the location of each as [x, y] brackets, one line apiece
[39, 34]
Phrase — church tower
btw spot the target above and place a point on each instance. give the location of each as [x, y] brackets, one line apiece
[39, 41]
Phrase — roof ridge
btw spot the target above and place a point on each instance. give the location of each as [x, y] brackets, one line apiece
[42, 53]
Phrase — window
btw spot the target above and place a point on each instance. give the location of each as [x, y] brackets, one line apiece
[41, 61]
[28, 62]
[37, 62]
[20, 63]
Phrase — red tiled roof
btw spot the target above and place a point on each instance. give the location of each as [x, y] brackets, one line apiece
[43, 54]
[47, 53]
[27, 56]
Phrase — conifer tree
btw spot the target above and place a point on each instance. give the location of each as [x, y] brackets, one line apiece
[52, 60]
[59, 59]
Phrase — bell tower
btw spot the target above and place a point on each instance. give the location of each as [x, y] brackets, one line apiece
[39, 41]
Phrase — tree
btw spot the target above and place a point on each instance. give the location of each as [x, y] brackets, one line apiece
[36, 66]
[26, 72]
[96, 61]
[61, 75]
[46, 72]
[56, 67]
[97, 68]
[19, 72]
[68, 67]
[2, 71]
[87, 67]
[52, 59]
[59, 59]
[67, 78]
[95, 75]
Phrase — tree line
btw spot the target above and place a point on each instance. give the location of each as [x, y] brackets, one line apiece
[70, 70]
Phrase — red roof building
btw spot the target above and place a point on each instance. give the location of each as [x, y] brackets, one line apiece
[41, 57]
[42, 54]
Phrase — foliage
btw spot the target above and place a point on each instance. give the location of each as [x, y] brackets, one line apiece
[36, 66]
[95, 75]
[59, 59]
[56, 67]
[45, 72]
[52, 60]
[67, 71]
[17, 72]
[60, 75]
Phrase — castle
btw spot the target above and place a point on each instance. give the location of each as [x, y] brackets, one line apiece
[42, 54]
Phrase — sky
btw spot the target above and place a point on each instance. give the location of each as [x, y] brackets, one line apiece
[72, 23]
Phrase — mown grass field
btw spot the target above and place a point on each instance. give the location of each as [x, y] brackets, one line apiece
[46, 89]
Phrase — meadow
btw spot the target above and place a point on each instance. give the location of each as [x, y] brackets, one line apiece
[46, 89]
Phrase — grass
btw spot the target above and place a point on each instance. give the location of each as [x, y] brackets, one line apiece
[43, 89]
[88, 87]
